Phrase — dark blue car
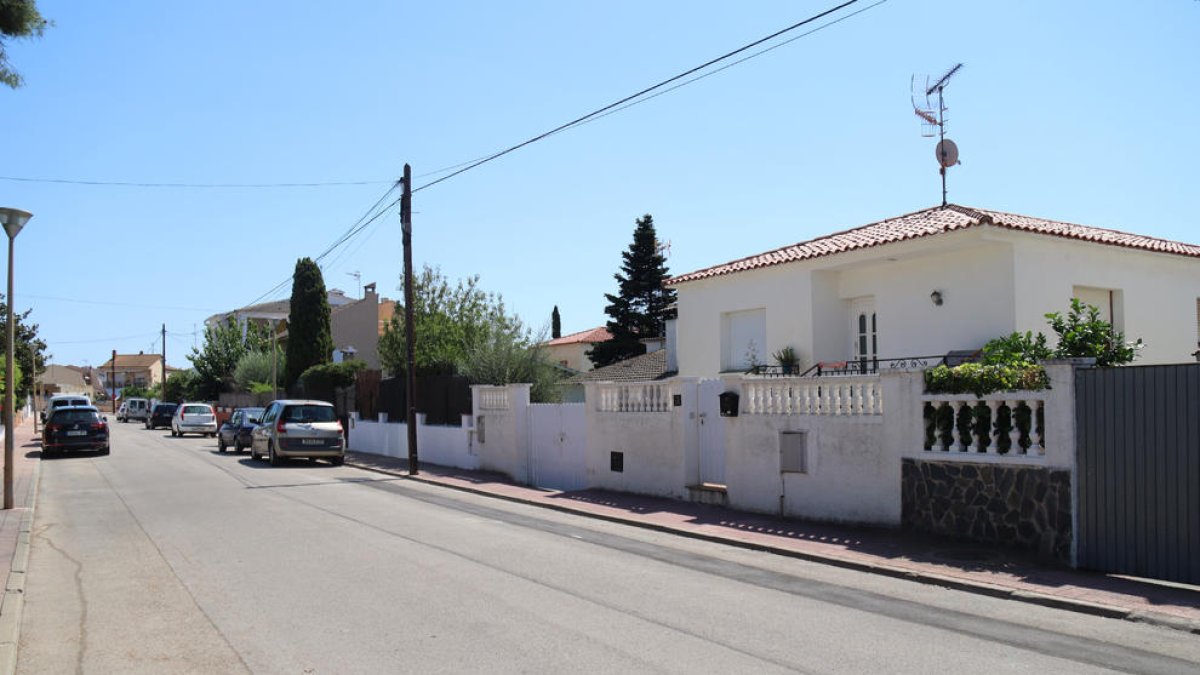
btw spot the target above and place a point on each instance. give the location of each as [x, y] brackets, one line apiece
[74, 428]
[236, 431]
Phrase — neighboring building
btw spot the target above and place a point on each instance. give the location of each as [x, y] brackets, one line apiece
[141, 369]
[570, 351]
[273, 313]
[655, 364]
[357, 326]
[934, 281]
[63, 380]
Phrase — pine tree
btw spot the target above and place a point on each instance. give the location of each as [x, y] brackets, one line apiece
[640, 308]
[555, 324]
[310, 337]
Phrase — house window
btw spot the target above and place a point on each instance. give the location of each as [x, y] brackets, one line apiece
[1108, 300]
[744, 340]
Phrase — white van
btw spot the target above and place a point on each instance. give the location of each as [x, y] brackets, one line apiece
[136, 409]
[64, 400]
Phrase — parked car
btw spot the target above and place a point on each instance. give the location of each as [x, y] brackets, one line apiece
[136, 409]
[236, 430]
[74, 428]
[298, 428]
[161, 416]
[63, 400]
[194, 418]
[121, 412]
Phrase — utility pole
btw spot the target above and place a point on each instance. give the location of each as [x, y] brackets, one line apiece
[112, 370]
[274, 362]
[409, 339]
[164, 363]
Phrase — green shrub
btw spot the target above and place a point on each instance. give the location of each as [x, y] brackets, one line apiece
[1082, 333]
[1016, 348]
[981, 379]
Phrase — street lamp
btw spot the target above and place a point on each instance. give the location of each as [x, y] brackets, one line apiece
[13, 220]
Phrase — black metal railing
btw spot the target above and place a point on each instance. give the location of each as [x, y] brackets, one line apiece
[851, 367]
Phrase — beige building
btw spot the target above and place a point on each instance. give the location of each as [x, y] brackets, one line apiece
[141, 370]
[357, 326]
[570, 351]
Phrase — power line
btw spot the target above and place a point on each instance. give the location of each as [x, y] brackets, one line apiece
[117, 304]
[106, 183]
[579, 120]
[611, 108]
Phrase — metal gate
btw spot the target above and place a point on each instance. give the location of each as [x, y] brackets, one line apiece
[710, 432]
[557, 446]
[1138, 498]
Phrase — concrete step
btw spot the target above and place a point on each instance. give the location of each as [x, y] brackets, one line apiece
[708, 493]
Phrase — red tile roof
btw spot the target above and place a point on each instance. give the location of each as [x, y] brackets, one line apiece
[930, 222]
[590, 336]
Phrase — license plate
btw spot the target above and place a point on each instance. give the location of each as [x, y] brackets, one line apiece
[312, 441]
[77, 433]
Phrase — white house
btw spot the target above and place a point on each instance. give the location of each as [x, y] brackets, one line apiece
[934, 281]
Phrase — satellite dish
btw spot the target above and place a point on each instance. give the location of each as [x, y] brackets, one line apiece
[946, 153]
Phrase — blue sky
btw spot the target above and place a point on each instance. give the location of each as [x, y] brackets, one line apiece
[1075, 110]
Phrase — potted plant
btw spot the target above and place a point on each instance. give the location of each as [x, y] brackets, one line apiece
[788, 360]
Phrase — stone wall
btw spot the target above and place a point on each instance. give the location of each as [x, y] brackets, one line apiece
[1021, 506]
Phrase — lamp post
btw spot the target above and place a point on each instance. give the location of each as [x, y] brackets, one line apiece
[13, 220]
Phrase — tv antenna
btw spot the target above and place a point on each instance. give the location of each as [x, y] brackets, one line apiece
[933, 121]
[358, 279]
[663, 247]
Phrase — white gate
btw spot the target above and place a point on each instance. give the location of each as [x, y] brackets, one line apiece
[710, 432]
[557, 446]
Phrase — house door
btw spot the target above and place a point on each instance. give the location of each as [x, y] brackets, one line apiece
[864, 340]
[710, 432]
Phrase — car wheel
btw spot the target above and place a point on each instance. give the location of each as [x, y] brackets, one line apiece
[237, 446]
[254, 454]
[104, 450]
[221, 444]
[276, 460]
[337, 461]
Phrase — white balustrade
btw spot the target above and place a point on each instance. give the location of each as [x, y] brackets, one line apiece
[634, 397]
[970, 443]
[812, 396]
[493, 398]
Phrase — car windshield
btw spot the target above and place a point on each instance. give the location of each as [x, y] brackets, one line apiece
[165, 408]
[197, 410]
[69, 416]
[309, 413]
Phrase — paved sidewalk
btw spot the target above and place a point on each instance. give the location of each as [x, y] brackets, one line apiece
[967, 567]
[15, 525]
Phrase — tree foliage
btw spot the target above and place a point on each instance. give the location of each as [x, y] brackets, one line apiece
[449, 322]
[18, 19]
[509, 356]
[310, 335]
[640, 307]
[30, 350]
[255, 367]
[555, 324]
[18, 398]
[322, 382]
[224, 346]
[182, 385]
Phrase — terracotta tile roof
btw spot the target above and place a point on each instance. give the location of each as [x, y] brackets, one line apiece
[650, 366]
[591, 336]
[930, 222]
[133, 361]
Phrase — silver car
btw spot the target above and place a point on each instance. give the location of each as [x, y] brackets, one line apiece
[194, 418]
[298, 428]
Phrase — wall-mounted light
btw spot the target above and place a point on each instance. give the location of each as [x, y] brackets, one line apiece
[936, 297]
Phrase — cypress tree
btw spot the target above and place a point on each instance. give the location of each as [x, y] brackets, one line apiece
[310, 336]
[555, 324]
[640, 308]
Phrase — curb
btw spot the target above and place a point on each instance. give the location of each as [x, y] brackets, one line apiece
[13, 606]
[930, 578]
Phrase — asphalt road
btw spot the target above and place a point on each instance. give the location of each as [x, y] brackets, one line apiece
[167, 556]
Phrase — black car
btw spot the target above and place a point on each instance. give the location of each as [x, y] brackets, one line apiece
[74, 428]
[236, 430]
[161, 415]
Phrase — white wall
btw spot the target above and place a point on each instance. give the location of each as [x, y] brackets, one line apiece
[652, 443]
[441, 445]
[1159, 291]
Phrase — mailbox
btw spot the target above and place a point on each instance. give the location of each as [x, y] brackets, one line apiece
[729, 404]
